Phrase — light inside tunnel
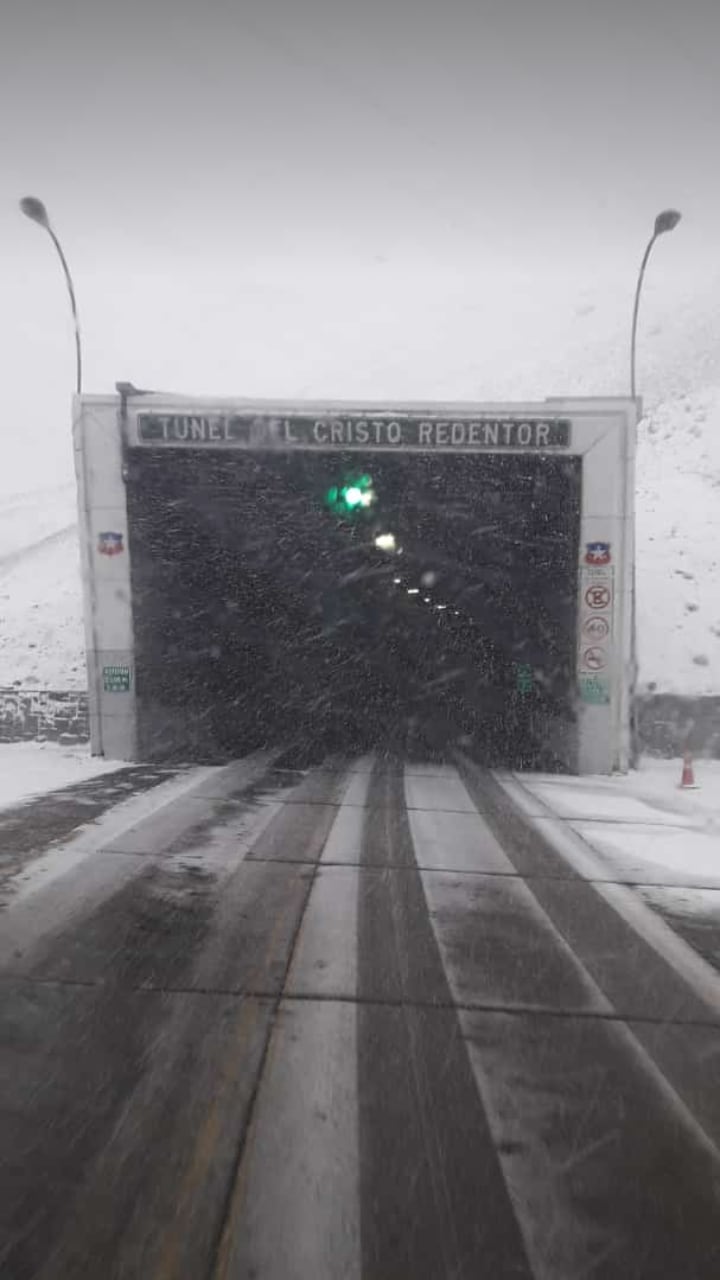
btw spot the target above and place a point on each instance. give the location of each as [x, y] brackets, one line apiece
[386, 542]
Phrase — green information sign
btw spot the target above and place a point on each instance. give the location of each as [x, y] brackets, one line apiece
[524, 679]
[595, 689]
[116, 679]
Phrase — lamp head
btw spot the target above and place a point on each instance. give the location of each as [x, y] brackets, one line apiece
[667, 221]
[35, 210]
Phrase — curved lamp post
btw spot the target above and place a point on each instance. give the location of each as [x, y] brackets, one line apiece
[665, 221]
[35, 210]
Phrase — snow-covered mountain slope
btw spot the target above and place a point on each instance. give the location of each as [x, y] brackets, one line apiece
[42, 643]
[678, 546]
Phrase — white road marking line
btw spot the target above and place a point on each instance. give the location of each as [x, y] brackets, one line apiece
[517, 1100]
[296, 1210]
[455, 841]
[433, 791]
[456, 910]
[356, 792]
[297, 1200]
[325, 960]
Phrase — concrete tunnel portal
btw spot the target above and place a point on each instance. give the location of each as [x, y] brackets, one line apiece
[359, 579]
[268, 609]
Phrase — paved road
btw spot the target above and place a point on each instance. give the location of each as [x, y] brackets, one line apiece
[353, 1021]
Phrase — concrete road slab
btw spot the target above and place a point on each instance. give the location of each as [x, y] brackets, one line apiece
[325, 956]
[121, 1115]
[499, 947]
[606, 1175]
[456, 842]
[437, 791]
[295, 1211]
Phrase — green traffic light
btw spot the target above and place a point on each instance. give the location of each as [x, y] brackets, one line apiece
[356, 495]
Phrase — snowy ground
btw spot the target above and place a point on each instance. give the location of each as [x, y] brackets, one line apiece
[34, 519]
[42, 644]
[678, 541]
[647, 832]
[32, 768]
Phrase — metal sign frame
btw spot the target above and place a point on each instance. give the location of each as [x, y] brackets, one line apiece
[353, 429]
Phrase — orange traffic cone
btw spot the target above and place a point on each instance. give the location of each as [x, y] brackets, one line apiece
[687, 781]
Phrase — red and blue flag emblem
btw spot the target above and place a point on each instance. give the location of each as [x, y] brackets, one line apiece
[110, 543]
[597, 553]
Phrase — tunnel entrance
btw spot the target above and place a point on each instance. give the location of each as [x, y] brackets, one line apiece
[355, 600]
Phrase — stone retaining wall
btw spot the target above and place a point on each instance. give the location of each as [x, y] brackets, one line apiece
[666, 723]
[28, 715]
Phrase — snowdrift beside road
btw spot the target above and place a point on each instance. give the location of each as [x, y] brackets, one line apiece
[29, 769]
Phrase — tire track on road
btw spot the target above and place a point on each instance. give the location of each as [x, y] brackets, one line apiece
[434, 1202]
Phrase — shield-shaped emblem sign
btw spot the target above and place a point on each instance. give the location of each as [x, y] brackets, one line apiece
[597, 553]
[110, 543]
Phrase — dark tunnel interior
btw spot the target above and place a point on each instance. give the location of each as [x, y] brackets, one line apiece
[355, 600]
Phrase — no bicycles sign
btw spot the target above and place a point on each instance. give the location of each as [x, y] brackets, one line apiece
[598, 596]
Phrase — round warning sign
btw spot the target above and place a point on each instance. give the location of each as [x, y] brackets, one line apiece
[594, 659]
[598, 597]
[596, 627]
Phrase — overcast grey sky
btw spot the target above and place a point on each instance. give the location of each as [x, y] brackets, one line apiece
[279, 136]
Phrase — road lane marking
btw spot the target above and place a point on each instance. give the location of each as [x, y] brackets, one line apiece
[560, 1245]
[293, 1211]
[344, 843]
[356, 792]
[599, 1153]
[419, 1106]
[437, 791]
[491, 931]
[325, 960]
[498, 945]
[296, 1210]
[456, 841]
[204, 1153]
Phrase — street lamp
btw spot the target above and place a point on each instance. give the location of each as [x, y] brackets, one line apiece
[665, 221]
[35, 210]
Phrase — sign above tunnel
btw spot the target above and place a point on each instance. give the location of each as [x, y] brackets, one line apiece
[351, 431]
